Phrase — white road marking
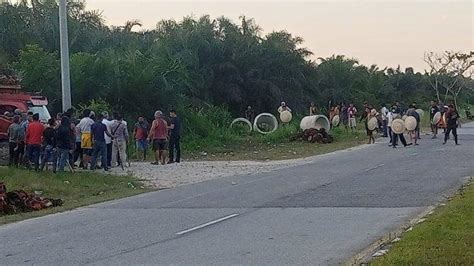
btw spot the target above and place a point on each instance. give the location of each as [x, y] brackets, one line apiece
[375, 167]
[208, 224]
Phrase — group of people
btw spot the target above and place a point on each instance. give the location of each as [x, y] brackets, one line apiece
[63, 141]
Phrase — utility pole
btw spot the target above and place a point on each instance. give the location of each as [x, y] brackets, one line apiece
[65, 80]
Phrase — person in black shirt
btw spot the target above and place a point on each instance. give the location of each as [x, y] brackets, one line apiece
[100, 148]
[452, 124]
[433, 110]
[63, 142]
[175, 135]
[49, 146]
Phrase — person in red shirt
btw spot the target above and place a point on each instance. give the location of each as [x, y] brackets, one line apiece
[33, 137]
[159, 135]
[140, 131]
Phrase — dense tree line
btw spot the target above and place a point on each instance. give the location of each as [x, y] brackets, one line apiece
[192, 62]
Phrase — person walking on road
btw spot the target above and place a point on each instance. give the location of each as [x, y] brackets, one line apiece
[384, 113]
[452, 117]
[158, 135]
[433, 110]
[175, 136]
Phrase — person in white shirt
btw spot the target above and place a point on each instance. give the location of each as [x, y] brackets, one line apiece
[86, 136]
[384, 113]
[389, 124]
[108, 140]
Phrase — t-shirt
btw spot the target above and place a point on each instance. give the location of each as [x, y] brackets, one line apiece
[49, 137]
[98, 131]
[160, 129]
[119, 131]
[85, 124]
[108, 124]
[141, 130]
[176, 131]
[14, 132]
[384, 112]
[34, 133]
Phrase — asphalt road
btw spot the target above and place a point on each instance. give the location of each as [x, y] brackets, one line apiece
[318, 213]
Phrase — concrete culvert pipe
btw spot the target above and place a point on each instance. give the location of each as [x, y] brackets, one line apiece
[265, 123]
[242, 121]
[315, 121]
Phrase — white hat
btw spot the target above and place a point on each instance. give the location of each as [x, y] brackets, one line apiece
[410, 123]
[372, 123]
[398, 126]
[158, 113]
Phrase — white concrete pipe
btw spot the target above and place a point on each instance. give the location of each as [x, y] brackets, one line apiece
[244, 121]
[315, 121]
[265, 123]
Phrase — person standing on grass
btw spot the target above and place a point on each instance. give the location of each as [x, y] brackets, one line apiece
[434, 127]
[99, 131]
[49, 146]
[119, 143]
[283, 107]
[108, 140]
[86, 136]
[63, 142]
[34, 135]
[351, 115]
[140, 131]
[452, 117]
[14, 131]
[175, 137]
[159, 137]
[249, 114]
[313, 110]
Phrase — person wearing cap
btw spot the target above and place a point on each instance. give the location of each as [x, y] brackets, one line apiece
[119, 134]
[33, 137]
[86, 136]
[108, 140]
[158, 135]
[433, 110]
[452, 117]
[283, 107]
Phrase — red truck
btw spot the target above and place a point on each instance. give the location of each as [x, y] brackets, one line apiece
[11, 99]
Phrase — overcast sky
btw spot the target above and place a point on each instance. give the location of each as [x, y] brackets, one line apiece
[386, 33]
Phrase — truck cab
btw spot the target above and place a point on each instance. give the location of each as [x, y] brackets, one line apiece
[12, 98]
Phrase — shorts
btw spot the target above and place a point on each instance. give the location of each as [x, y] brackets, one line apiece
[352, 122]
[86, 140]
[160, 144]
[142, 144]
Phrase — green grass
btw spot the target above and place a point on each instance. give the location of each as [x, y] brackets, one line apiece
[78, 189]
[445, 238]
